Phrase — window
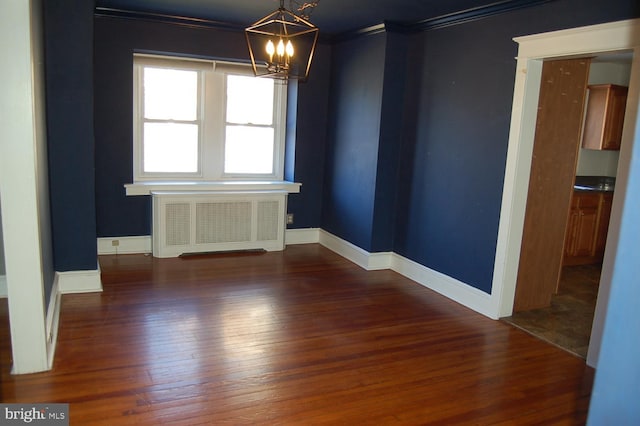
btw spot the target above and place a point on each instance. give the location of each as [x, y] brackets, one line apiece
[206, 121]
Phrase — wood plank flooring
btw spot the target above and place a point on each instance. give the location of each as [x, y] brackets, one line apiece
[295, 337]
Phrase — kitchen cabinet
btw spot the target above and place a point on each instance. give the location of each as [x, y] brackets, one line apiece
[603, 223]
[586, 233]
[604, 117]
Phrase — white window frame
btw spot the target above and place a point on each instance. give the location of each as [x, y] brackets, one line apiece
[211, 116]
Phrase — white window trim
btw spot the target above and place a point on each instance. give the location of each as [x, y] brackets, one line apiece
[211, 173]
[147, 188]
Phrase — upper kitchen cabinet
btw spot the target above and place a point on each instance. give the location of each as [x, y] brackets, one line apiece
[604, 117]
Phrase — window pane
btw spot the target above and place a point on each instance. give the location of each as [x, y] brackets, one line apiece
[248, 150]
[170, 94]
[249, 100]
[170, 148]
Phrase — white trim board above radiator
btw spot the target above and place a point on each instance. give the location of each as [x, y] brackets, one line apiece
[197, 222]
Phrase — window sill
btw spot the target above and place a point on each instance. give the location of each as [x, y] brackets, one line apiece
[146, 188]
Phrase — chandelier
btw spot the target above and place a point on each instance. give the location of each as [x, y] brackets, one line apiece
[282, 44]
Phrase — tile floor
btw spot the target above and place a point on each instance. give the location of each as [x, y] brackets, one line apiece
[567, 322]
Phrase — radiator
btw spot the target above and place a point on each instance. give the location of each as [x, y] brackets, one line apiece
[205, 222]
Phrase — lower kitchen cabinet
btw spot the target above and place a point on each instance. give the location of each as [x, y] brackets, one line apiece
[586, 233]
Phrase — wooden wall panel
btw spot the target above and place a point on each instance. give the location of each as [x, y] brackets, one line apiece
[555, 151]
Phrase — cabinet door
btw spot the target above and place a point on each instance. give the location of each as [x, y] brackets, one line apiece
[594, 117]
[572, 232]
[603, 224]
[604, 117]
[586, 232]
[617, 102]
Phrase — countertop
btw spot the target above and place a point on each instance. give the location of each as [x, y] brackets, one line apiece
[595, 183]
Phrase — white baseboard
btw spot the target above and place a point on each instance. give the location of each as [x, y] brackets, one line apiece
[362, 258]
[301, 236]
[124, 245]
[79, 281]
[3, 287]
[53, 318]
[66, 283]
[447, 286]
[142, 244]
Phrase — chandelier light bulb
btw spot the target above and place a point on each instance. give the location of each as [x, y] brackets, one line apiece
[280, 48]
[289, 49]
[271, 49]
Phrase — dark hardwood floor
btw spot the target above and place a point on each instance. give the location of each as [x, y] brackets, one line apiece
[295, 337]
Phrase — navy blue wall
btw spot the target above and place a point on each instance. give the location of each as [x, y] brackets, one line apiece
[451, 188]
[116, 40]
[354, 129]
[392, 133]
[69, 93]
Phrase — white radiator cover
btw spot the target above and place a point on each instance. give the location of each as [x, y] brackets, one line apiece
[195, 222]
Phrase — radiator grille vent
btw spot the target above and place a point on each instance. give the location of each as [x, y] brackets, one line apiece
[205, 222]
[178, 224]
[268, 220]
[223, 222]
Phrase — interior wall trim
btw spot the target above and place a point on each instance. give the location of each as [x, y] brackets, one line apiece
[362, 258]
[473, 14]
[107, 12]
[442, 21]
[143, 243]
[124, 245]
[301, 236]
[52, 321]
[445, 285]
[450, 19]
[70, 282]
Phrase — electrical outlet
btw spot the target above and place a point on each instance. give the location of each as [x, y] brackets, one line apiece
[115, 243]
[289, 218]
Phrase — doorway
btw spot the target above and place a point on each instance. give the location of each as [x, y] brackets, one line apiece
[566, 318]
[579, 42]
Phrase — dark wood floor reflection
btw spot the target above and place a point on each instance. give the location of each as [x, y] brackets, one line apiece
[297, 337]
[567, 322]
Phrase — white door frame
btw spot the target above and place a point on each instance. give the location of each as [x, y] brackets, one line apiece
[23, 183]
[577, 42]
